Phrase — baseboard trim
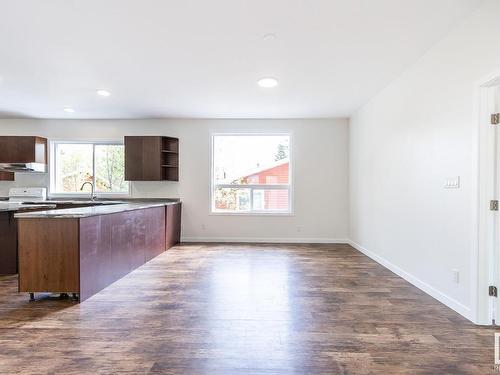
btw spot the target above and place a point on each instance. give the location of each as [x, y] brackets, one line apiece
[267, 240]
[433, 292]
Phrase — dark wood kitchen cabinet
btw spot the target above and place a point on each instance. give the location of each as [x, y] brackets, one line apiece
[23, 149]
[151, 158]
[8, 241]
[173, 224]
[6, 176]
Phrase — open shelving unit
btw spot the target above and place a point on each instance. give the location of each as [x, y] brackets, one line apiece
[151, 158]
[170, 158]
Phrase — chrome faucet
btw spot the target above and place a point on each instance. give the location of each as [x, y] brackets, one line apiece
[92, 192]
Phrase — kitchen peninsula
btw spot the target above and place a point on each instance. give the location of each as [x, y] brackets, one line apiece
[81, 251]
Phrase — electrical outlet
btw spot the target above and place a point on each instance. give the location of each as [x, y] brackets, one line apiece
[452, 182]
[456, 276]
[203, 226]
[299, 229]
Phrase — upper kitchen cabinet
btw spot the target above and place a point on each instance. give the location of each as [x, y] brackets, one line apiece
[23, 153]
[19, 149]
[151, 158]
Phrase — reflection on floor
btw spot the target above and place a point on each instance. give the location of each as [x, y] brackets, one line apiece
[244, 309]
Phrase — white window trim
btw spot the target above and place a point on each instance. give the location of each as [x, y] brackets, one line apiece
[52, 172]
[290, 186]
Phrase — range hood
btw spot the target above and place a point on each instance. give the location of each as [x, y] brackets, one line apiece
[23, 167]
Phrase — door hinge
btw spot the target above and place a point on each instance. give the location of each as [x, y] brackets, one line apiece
[495, 118]
[494, 205]
[492, 291]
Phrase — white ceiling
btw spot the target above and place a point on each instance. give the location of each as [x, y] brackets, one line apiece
[187, 58]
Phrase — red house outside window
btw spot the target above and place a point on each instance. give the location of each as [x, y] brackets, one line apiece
[270, 199]
[251, 173]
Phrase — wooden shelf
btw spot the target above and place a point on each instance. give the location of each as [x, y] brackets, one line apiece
[151, 158]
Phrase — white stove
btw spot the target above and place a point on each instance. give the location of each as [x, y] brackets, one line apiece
[27, 194]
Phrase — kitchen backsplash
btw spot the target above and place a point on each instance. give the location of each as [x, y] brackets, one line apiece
[24, 180]
[140, 189]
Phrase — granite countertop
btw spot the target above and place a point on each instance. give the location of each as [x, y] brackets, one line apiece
[81, 212]
[7, 206]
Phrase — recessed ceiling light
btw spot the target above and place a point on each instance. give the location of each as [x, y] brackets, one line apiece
[69, 110]
[267, 82]
[103, 92]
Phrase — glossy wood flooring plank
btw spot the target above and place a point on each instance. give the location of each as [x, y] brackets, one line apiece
[244, 309]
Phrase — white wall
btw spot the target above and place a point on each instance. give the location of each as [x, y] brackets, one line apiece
[320, 175]
[404, 143]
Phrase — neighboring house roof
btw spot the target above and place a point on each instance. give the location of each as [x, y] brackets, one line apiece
[263, 168]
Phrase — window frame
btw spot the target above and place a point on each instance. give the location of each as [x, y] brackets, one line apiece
[52, 170]
[289, 186]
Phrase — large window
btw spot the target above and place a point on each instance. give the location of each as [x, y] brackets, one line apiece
[73, 164]
[251, 173]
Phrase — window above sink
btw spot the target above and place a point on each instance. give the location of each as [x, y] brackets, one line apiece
[100, 163]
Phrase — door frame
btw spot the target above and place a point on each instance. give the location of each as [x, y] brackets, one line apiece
[484, 259]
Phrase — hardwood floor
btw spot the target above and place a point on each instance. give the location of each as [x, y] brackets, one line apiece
[244, 309]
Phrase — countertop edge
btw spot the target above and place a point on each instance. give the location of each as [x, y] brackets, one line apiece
[16, 208]
[84, 212]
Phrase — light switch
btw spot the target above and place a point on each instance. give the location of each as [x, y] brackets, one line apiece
[452, 182]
